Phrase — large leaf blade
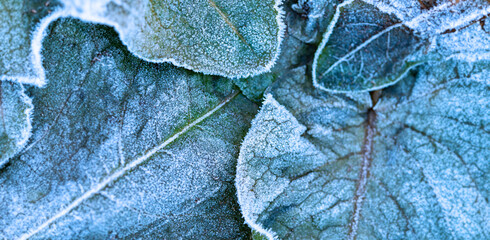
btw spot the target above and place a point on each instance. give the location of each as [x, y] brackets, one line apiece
[124, 148]
[227, 38]
[331, 166]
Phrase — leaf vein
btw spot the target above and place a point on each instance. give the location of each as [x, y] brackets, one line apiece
[118, 174]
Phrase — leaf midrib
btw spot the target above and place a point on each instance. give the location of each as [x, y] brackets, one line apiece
[366, 160]
[130, 166]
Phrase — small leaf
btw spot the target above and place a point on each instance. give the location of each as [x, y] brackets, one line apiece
[364, 49]
[368, 47]
[456, 29]
[15, 119]
[122, 148]
[238, 38]
[410, 164]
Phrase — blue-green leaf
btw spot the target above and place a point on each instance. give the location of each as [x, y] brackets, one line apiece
[411, 163]
[364, 49]
[227, 38]
[371, 46]
[15, 119]
[237, 38]
[20, 48]
[122, 148]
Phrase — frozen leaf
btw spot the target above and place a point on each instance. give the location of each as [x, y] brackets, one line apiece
[124, 149]
[368, 47]
[19, 60]
[15, 119]
[411, 163]
[228, 38]
[456, 28]
[236, 38]
[364, 49]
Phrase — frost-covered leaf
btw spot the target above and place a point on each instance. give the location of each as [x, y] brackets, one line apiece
[364, 49]
[233, 38]
[124, 149]
[19, 60]
[370, 46]
[228, 38]
[415, 166]
[470, 43]
[15, 119]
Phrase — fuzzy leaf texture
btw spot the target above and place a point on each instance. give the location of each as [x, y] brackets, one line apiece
[15, 122]
[369, 47]
[19, 60]
[229, 38]
[124, 149]
[411, 165]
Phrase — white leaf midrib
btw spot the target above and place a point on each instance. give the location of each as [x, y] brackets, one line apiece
[121, 172]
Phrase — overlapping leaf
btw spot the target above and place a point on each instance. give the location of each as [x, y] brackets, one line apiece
[364, 49]
[19, 59]
[15, 122]
[457, 28]
[228, 38]
[368, 47]
[414, 165]
[122, 148]
[431, 17]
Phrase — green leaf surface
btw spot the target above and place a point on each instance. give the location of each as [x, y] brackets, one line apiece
[411, 163]
[364, 49]
[124, 149]
[15, 119]
[19, 59]
[221, 37]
